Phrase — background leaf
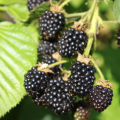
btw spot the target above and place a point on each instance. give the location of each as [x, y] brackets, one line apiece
[6, 2]
[18, 11]
[17, 54]
[116, 9]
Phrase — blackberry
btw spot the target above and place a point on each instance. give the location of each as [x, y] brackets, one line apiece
[118, 38]
[34, 3]
[72, 41]
[81, 111]
[35, 82]
[100, 97]
[57, 96]
[46, 48]
[50, 24]
[81, 78]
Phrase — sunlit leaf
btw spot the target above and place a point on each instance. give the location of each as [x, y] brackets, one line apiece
[17, 54]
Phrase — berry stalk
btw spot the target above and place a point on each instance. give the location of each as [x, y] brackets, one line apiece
[57, 63]
[98, 69]
[89, 45]
[76, 14]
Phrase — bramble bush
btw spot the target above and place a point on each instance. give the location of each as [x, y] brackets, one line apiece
[49, 52]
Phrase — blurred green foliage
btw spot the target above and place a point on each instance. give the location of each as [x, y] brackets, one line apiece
[108, 60]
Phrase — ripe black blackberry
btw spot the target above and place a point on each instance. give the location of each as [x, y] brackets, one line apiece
[81, 79]
[56, 69]
[80, 111]
[100, 97]
[34, 3]
[35, 82]
[72, 41]
[57, 96]
[50, 24]
[46, 48]
[118, 37]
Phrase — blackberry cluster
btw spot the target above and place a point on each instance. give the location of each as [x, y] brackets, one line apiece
[50, 24]
[35, 82]
[46, 48]
[56, 69]
[81, 111]
[34, 3]
[72, 41]
[118, 38]
[81, 79]
[100, 97]
[57, 96]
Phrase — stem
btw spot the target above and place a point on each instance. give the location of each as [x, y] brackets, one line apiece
[109, 22]
[94, 23]
[93, 31]
[76, 14]
[89, 45]
[90, 12]
[98, 69]
[64, 3]
[57, 63]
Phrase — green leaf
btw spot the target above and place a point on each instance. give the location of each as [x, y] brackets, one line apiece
[33, 29]
[116, 9]
[6, 2]
[18, 54]
[18, 12]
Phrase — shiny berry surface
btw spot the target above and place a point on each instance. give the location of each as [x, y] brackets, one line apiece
[35, 82]
[57, 96]
[50, 25]
[72, 41]
[81, 78]
[100, 97]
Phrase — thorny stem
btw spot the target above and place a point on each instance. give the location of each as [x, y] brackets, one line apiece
[64, 3]
[98, 69]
